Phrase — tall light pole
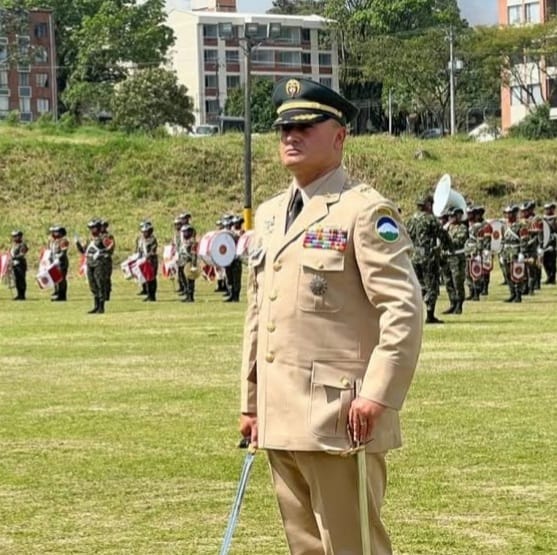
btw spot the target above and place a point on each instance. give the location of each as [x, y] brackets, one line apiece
[254, 35]
[451, 80]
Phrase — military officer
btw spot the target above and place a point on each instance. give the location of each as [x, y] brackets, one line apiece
[429, 239]
[549, 258]
[58, 246]
[332, 333]
[147, 248]
[18, 252]
[96, 265]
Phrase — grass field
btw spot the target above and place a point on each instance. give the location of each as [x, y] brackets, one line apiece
[118, 431]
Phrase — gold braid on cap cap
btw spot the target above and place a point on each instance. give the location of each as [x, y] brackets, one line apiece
[307, 105]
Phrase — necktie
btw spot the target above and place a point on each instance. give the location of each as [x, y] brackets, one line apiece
[295, 208]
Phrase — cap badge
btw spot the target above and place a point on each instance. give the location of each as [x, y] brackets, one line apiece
[318, 285]
[293, 87]
[387, 229]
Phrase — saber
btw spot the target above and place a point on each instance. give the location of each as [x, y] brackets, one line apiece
[235, 512]
[363, 501]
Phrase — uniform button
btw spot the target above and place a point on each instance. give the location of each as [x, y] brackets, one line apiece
[345, 382]
[321, 266]
[277, 266]
[271, 327]
[273, 296]
[270, 356]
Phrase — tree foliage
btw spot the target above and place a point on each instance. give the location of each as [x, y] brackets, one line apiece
[536, 125]
[297, 7]
[150, 98]
[262, 109]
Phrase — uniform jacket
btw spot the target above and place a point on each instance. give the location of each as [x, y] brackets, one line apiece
[325, 318]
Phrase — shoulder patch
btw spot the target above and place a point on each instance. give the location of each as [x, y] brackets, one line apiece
[387, 229]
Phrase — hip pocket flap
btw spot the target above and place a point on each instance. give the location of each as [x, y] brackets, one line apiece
[341, 374]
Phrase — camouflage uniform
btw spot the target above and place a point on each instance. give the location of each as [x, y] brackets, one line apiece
[515, 239]
[59, 245]
[473, 251]
[147, 248]
[110, 246]
[458, 235]
[549, 256]
[96, 265]
[187, 257]
[532, 250]
[429, 238]
[19, 264]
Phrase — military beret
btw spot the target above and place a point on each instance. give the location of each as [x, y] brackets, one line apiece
[185, 215]
[58, 229]
[146, 226]
[510, 208]
[455, 210]
[104, 222]
[17, 232]
[186, 227]
[95, 222]
[302, 101]
[549, 206]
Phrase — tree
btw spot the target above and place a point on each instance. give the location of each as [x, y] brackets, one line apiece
[297, 7]
[150, 98]
[262, 109]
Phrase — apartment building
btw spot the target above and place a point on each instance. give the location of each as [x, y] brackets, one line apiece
[210, 66]
[516, 102]
[27, 63]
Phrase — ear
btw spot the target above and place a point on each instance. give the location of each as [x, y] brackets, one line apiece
[340, 138]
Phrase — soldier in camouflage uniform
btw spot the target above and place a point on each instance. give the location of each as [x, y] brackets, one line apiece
[515, 240]
[429, 239]
[458, 235]
[59, 245]
[473, 250]
[532, 250]
[187, 256]
[147, 248]
[18, 252]
[95, 251]
[110, 246]
[549, 257]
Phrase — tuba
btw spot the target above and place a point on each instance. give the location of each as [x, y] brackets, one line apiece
[445, 198]
[191, 271]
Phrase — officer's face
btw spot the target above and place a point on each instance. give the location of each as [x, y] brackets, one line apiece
[311, 149]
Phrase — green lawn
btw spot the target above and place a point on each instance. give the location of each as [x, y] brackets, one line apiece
[118, 431]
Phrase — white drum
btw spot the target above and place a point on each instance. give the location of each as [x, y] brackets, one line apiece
[217, 248]
[243, 246]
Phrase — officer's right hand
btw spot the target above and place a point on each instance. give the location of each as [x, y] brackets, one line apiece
[248, 427]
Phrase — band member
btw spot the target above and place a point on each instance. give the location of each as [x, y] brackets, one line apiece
[18, 260]
[177, 242]
[473, 249]
[110, 246]
[532, 249]
[147, 248]
[220, 272]
[515, 240]
[188, 258]
[549, 256]
[458, 235]
[95, 251]
[59, 245]
[485, 245]
[234, 270]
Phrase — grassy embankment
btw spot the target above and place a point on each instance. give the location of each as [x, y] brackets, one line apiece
[117, 431]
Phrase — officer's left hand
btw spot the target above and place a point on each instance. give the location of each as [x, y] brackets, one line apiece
[362, 417]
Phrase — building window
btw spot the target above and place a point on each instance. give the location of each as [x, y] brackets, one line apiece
[306, 58]
[4, 105]
[516, 96]
[210, 56]
[306, 35]
[3, 79]
[263, 57]
[3, 50]
[535, 95]
[325, 60]
[41, 55]
[514, 15]
[290, 59]
[211, 81]
[210, 31]
[23, 44]
[43, 105]
[327, 81]
[41, 30]
[290, 35]
[232, 81]
[532, 12]
[41, 79]
[232, 57]
[23, 79]
[24, 105]
[212, 106]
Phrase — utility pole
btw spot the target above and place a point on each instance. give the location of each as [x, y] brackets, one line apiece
[451, 79]
[390, 111]
[247, 136]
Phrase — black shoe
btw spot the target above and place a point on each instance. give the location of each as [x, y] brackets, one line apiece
[510, 299]
[450, 310]
[149, 300]
[458, 308]
[433, 320]
[19, 298]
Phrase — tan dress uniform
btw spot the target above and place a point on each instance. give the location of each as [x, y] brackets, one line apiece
[334, 307]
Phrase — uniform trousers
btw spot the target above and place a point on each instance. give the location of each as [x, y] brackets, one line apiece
[318, 500]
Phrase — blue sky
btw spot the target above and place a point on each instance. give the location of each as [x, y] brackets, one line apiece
[475, 11]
